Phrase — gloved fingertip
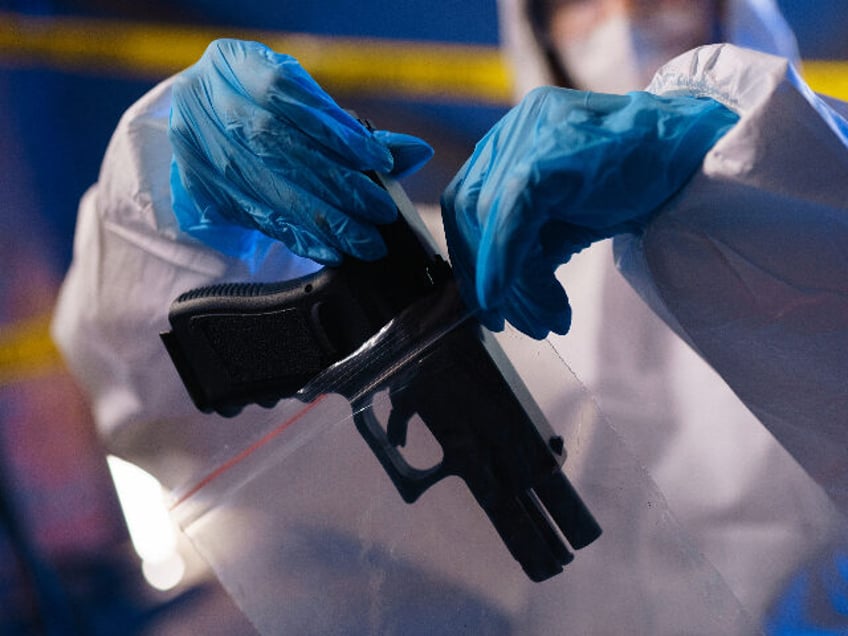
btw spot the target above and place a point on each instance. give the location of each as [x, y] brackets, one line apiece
[371, 248]
[491, 320]
[561, 323]
[371, 253]
[409, 153]
[538, 305]
[305, 244]
[554, 314]
[319, 253]
[527, 324]
[379, 159]
[379, 206]
[487, 287]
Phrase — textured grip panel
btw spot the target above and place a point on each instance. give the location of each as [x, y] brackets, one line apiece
[274, 345]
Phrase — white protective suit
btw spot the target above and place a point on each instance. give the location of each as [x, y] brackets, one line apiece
[704, 514]
[728, 481]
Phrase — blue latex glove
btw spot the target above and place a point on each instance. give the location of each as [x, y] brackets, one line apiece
[814, 602]
[561, 170]
[258, 145]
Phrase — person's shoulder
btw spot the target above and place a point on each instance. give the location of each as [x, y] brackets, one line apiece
[735, 76]
[153, 107]
[133, 184]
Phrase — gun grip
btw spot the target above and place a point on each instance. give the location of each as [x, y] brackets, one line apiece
[236, 344]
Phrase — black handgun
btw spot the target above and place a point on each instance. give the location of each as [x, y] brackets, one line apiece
[237, 344]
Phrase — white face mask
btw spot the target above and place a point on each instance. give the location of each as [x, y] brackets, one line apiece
[622, 54]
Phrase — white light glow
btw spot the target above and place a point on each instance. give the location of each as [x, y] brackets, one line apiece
[150, 526]
[164, 575]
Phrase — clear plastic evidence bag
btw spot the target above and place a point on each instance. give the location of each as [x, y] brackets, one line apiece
[395, 494]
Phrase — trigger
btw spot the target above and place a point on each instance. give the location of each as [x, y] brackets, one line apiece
[397, 427]
[402, 412]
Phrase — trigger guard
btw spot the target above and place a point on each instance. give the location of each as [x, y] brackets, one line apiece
[410, 482]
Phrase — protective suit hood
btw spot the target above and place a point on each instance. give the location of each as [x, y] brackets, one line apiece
[754, 24]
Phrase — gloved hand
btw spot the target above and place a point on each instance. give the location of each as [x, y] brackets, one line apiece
[258, 145]
[561, 170]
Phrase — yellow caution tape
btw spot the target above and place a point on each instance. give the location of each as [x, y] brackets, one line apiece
[418, 70]
[366, 66]
[828, 77]
[26, 349]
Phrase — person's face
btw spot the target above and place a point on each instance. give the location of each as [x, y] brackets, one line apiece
[576, 18]
[617, 45]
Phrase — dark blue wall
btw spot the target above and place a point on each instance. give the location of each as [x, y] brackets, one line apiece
[820, 25]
